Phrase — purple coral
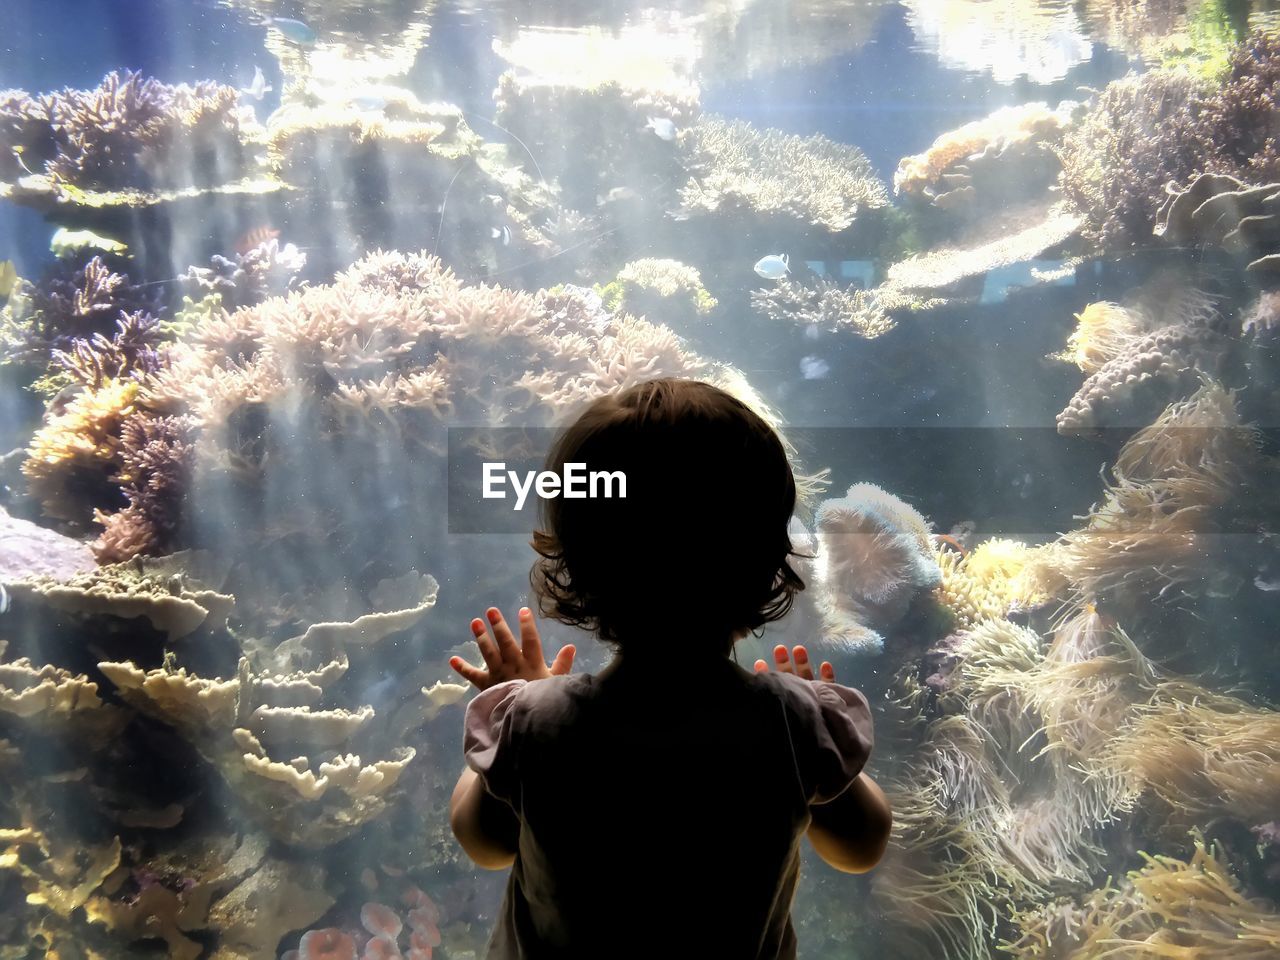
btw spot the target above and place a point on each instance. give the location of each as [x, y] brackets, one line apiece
[132, 349]
[266, 270]
[1238, 123]
[128, 132]
[157, 454]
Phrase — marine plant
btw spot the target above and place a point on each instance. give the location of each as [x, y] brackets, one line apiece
[827, 305]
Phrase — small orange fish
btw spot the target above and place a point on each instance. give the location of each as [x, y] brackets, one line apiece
[255, 238]
[946, 538]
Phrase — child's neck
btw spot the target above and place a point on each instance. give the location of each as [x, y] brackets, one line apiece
[670, 658]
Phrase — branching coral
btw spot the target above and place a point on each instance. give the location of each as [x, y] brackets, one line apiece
[129, 132]
[1238, 121]
[736, 169]
[874, 558]
[1007, 154]
[868, 313]
[1139, 135]
[71, 307]
[263, 271]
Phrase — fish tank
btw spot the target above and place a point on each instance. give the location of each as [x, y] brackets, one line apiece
[277, 276]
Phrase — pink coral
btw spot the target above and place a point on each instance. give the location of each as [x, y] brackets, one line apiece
[328, 944]
[380, 920]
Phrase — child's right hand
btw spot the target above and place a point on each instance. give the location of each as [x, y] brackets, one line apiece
[507, 660]
[802, 667]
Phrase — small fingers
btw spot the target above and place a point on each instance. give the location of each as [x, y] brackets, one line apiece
[530, 642]
[506, 640]
[563, 662]
[468, 672]
[488, 650]
[827, 672]
[761, 667]
[782, 659]
[804, 669]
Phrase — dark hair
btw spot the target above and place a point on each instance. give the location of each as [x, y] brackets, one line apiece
[699, 545]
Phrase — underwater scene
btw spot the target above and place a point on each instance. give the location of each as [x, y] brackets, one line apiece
[1004, 274]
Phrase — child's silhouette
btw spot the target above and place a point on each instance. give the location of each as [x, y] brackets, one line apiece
[655, 809]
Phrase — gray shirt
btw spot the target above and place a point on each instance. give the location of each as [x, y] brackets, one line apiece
[653, 802]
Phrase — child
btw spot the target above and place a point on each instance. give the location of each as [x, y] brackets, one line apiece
[655, 809]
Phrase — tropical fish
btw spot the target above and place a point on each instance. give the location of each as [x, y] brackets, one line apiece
[502, 233]
[259, 87]
[814, 368]
[255, 238]
[664, 127]
[8, 277]
[294, 31]
[773, 267]
[66, 243]
[616, 195]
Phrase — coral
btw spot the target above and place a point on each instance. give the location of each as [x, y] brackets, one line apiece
[1103, 332]
[735, 169]
[132, 349]
[264, 270]
[866, 313]
[1237, 122]
[171, 602]
[659, 288]
[1152, 370]
[1012, 237]
[1008, 153]
[132, 132]
[1139, 135]
[26, 137]
[156, 459]
[1193, 909]
[75, 456]
[874, 558]
[1177, 482]
[1218, 209]
[73, 305]
[1263, 318]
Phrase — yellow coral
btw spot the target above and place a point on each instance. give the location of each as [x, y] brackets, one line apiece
[82, 439]
[994, 579]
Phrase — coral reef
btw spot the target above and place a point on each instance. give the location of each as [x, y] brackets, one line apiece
[1220, 210]
[874, 558]
[1142, 357]
[1165, 522]
[666, 290]
[867, 313]
[1009, 156]
[738, 171]
[129, 132]
[1140, 134]
[265, 270]
[991, 582]
[1169, 907]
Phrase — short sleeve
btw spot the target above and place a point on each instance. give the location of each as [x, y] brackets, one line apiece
[487, 737]
[840, 735]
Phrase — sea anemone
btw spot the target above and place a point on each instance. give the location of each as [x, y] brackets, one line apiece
[381, 921]
[328, 944]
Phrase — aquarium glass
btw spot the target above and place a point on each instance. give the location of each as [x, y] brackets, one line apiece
[279, 277]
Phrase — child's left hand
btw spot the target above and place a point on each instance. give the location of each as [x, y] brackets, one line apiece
[506, 660]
